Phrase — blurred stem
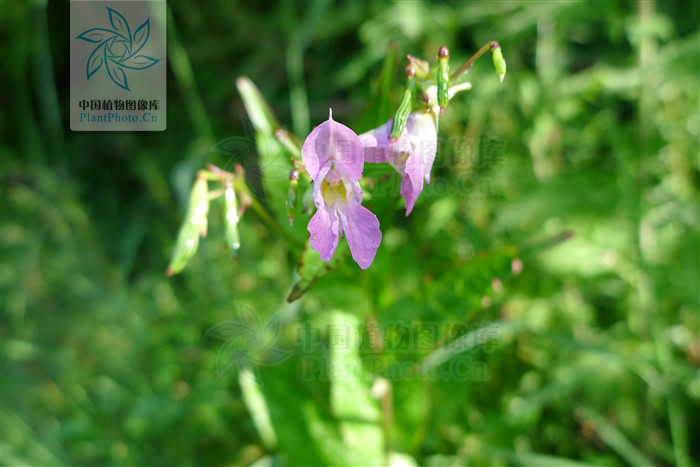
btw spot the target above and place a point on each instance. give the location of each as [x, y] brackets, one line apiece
[615, 439]
[216, 174]
[31, 136]
[466, 66]
[47, 96]
[297, 92]
[299, 36]
[647, 293]
[182, 69]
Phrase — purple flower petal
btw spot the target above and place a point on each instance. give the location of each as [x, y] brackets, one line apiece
[376, 143]
[412, 155]
[324, 227]
[410, 195]
[422, 130]
[333, 141]
[361, 228]
[412, 183]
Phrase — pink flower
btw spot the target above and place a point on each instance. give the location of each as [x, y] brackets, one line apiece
[412, 155]
[334, 157]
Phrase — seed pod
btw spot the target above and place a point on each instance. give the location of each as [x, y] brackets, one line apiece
[233, 239]
[443, 77]
[406, 105]
[194, 226]
[292, 195]
[499, 62]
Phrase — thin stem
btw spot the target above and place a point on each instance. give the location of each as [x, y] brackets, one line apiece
[468, 64]
[265, 216]
[184, 75]
[215, 193]
[240, 185]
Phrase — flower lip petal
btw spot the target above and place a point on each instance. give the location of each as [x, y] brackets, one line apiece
[324, 229]
[361, 229]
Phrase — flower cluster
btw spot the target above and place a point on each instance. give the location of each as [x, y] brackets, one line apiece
[334, 156]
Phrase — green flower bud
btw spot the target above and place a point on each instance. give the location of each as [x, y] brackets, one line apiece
[499, 62]
[233, 239]
[422, 67]
[443, 78]
[406, 105]
[292, 195]
[195, 225]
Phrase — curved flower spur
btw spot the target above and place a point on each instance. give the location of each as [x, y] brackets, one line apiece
[334, 158]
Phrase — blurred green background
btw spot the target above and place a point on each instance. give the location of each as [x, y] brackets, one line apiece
[593, 355]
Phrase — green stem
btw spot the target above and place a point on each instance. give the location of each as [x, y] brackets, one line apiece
[263, 214]
[182, 69]
[468, 64]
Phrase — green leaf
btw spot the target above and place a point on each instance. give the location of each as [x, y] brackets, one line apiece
[311, 268]
[351, 402]
[382, 105]
[256, 405]
[258, 109]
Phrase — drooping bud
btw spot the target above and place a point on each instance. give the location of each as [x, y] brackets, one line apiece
[195, 225]
[422, 67]
[443, 78]
[406, 105]
[292, 195]
[233, 239]
[498, 61]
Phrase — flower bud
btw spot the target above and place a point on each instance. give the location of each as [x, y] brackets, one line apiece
[421, 66]
[292, 195]
[443, 78]
[233, 239]
[406, 105]
[499, 62]
[195, 225]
